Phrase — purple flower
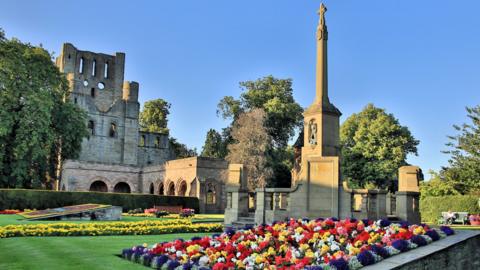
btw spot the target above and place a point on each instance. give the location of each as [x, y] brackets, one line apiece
[380, 251]
[195, 238]
[404, 224]
[147, 259]
[353, 220]
[230, 232]
[334, 219]
[433, 234]
[215, 235]
[366, 258]
[315, 267]
[305, 219]
[419, 240]
[400, 244]
[187, 266]
[340, 264]
[365, 221]
[446, 230]
[172, 264]
[127, 253]
[161, 260]
[385, 222]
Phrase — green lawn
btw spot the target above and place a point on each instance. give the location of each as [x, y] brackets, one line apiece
[16, 219]
[98, 252]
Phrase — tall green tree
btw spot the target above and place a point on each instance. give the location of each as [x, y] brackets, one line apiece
[39, 127]
[153, 117]
[214, 145]
[464, 165]
[374, 145]
[283, 116]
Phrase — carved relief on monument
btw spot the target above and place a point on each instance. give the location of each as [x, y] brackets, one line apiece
[312, 132]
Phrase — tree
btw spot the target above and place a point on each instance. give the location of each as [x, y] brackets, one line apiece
[437, 186]
[214, 146]
[464, 165]
[153, 117]
[374, 145]
[251, 145]
[39, 126]
[180, 150]
[283, 115]
[274, 96]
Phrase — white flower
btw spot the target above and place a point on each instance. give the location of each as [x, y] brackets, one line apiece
[203, 261]
[178, 253]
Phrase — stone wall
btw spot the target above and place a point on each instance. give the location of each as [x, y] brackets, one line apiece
[459, 251]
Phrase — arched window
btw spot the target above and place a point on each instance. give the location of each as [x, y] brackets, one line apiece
[211, 194]
[183, 189]
[113, 130]
[80, 65]
[99, 186]
[94, 68]
[142, 140]
[161, 190]
[152, 189]
[91, 127]
[92, 92]
[171, 189]
[157, 142]
[121, 187]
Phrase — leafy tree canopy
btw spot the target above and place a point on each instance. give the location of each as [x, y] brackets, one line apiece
[214, 145]
[274, 96]
[374, 145]
[464, 165]
[153, 117]
[39, 126]
[180, 150]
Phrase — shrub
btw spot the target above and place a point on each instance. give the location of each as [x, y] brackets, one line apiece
[42, 199]
[160, 214]
[187, 212]
[432, 207]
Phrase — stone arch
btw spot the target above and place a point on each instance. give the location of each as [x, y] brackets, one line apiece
[182, 188]
[98, 186]
[151, 189]
[161, 189]
[171, 189]
[122, 187]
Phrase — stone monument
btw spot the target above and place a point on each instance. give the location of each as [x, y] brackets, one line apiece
[317, 179]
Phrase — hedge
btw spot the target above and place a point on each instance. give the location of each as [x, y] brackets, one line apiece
[431, 208]
[42, 199]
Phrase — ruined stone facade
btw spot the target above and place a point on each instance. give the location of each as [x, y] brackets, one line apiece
[117, 156]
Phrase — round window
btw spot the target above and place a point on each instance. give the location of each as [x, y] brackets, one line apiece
[85, 83]
[101, 85]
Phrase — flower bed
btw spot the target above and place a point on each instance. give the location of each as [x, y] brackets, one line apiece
[108, 228]
[297, 244]
[10, 212]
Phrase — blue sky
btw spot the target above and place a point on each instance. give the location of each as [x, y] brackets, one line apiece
[418, 59]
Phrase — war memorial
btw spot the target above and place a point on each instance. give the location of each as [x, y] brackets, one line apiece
[319, 222]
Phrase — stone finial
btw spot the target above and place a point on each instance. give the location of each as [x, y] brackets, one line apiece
[408, 178]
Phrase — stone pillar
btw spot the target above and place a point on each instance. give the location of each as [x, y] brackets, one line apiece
[260, 206]
[408, 195]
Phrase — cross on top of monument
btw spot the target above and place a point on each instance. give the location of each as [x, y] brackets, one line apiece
[321, 12]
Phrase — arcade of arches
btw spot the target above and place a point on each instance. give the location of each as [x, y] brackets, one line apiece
[199, 177]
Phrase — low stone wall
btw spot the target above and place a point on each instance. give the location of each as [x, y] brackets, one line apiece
[459, 251]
